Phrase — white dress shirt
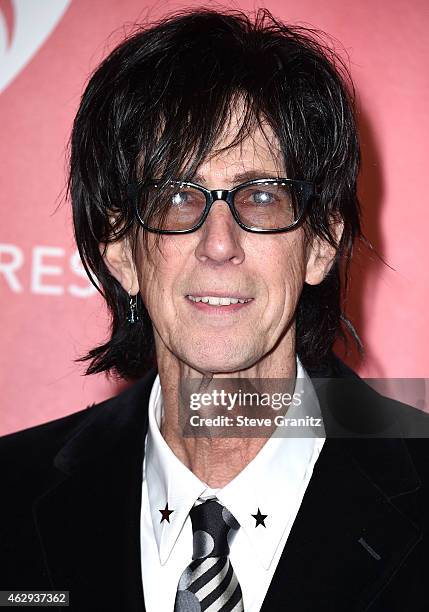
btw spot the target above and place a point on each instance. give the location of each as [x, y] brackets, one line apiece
[273, 482]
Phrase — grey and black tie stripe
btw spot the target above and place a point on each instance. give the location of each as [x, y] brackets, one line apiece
[209, 583]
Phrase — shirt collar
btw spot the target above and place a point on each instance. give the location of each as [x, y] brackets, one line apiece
[271, 482]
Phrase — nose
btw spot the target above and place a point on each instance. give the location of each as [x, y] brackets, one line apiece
[220, 237]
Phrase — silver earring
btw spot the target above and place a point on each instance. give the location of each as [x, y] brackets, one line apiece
[132, 312]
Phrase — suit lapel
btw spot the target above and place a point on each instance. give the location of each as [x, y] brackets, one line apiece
[88, 519]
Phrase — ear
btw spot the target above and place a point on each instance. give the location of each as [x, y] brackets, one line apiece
[118, 259]
[321, 255]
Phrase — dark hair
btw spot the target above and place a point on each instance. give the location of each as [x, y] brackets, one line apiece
[161, 99]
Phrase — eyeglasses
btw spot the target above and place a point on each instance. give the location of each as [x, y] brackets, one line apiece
[261, 205]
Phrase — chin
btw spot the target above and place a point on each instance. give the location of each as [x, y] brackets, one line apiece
[217, 353]
[219, 364]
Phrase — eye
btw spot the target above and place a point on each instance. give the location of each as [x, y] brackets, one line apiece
[262, 197]
[180, 198]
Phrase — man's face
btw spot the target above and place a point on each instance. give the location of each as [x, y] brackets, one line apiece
[222, 260]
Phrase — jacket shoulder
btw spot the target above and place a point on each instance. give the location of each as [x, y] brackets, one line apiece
[30, 451]
[35, 443]
[45, 435]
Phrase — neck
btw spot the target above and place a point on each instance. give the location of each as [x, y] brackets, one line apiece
[215, 460]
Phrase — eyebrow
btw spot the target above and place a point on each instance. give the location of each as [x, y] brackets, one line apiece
[241, 177]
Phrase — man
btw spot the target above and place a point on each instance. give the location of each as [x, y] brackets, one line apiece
[213, 179]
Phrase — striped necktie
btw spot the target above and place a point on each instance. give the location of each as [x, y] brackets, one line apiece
[209, 583]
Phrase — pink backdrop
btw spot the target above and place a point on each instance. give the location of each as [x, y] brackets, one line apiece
[49, 312]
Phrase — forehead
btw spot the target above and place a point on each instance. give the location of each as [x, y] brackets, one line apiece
[256, 152]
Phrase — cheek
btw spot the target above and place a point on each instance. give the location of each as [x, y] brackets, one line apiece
[288, 269]
[157, 275]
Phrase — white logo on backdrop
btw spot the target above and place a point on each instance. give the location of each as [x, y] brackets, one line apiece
[45, 268]
[24, 27]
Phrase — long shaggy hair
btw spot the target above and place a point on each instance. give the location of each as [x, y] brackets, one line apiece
[158, 104]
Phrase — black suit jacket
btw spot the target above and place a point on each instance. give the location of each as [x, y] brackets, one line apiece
[71, 497]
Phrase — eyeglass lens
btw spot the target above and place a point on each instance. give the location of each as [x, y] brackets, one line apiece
[179, 206]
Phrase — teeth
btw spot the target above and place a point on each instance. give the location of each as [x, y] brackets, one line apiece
[217, 301]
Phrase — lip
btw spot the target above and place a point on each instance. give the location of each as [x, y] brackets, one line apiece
[223, 311]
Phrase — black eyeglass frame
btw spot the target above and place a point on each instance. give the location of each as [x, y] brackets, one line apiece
[225, 195]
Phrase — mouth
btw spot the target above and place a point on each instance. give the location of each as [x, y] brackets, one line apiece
[218, 303]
